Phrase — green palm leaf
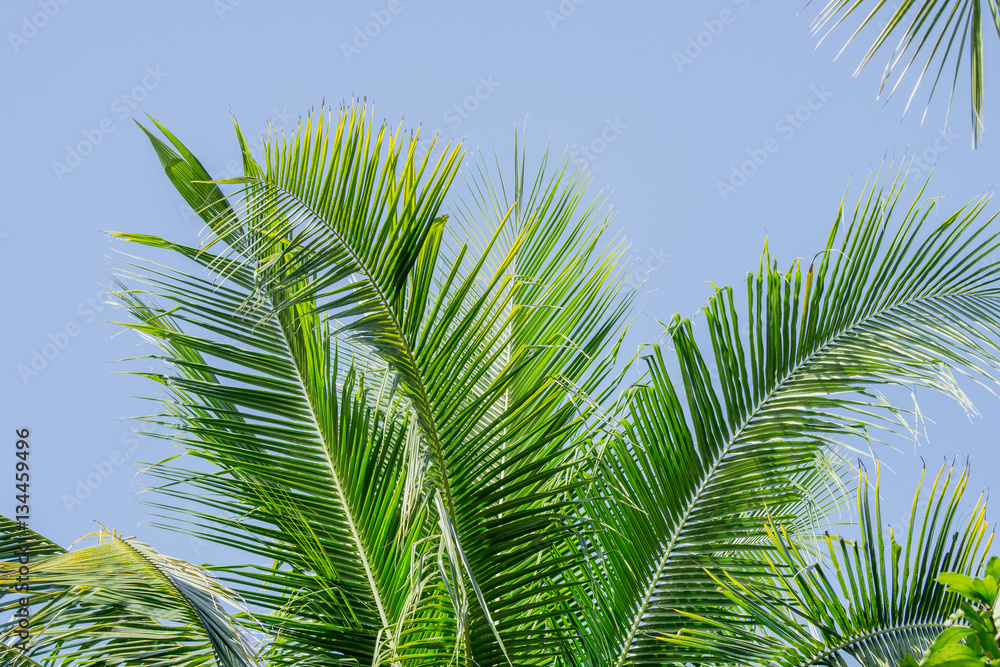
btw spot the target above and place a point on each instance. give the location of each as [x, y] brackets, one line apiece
[15, 539]
[340, 248]
[696, 467]
[121, 603]
[875, 601]
[941, 30]
[312, 475]
[399, 403]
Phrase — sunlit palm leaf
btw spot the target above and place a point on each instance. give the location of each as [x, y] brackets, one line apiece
[311, 476]
[697, 468]
[941, 30]
[341, 236]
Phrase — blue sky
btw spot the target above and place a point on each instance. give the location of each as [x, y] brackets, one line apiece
[665, 101]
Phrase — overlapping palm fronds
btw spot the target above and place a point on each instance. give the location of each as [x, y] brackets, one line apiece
[400, 403]
[387, 404]
[872, 599]
[697, 464]
[118, 602]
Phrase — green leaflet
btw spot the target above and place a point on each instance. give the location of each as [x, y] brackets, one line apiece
[942, 30]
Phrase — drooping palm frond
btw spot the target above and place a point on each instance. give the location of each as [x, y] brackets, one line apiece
[874, 600]
[693, 469]
[117, 603]
[335, 274]
[943, 30]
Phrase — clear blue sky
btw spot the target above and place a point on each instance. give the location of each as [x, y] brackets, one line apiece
[662, 122]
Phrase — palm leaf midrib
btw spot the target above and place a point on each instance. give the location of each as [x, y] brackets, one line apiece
[403, 341]
[334, 473]
[752, 415]
[857, 639]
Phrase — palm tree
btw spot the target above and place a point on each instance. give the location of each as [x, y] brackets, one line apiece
[932, 34]
[402, 400]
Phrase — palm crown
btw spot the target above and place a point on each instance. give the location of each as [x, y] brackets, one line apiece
[412, 420]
